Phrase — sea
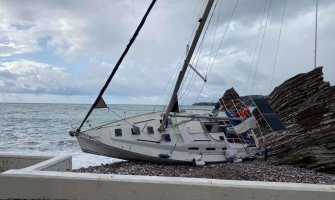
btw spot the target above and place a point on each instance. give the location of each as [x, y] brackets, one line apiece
[37, 128]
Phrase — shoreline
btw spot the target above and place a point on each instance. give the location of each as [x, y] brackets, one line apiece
[254, 170]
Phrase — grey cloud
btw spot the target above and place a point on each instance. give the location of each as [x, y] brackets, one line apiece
[6, 75]
[97, 32]
[31, 77]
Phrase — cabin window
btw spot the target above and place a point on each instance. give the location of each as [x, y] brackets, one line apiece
[193, 148]
[150, 129]
[135, 130]
[167, 137]
[208, 127]
[210, 149]
[118, 132]
[230, 140]
[237, 140]
[231, 135]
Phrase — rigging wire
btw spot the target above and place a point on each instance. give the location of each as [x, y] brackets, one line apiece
[211, 49]
[183, 96]
[261, 47]
[194, 59]
[117, 65]
[197, 55]
[255, 50]
[224, 35]
[189, 86]
[225, 32]
[280, 31]
[217, 51]
[196, 23]
[214, 36]
[316, 32]
[174, 75]
[187, 92]
[191, 36]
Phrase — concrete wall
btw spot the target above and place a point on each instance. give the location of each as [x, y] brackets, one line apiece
[65, 185]
[48, 180]
[35, 162]
[13, 161]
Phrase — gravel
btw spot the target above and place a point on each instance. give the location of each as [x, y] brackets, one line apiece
[255, 170]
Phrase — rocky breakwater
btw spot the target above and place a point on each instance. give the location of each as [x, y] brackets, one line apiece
[306, 105]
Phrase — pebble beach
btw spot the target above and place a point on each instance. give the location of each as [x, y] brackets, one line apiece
[254, 170]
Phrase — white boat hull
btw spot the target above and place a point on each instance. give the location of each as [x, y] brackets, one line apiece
[188, 141]
[98, 148]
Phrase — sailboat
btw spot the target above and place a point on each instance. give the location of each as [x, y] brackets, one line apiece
[173, 136]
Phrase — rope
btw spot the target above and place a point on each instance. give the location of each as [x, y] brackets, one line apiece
[261, 47]
[121, 117]
[124, 109]
[274, 65]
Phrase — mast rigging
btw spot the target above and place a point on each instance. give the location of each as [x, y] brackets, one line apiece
[173, 99]
[118, 64]
[316, 32]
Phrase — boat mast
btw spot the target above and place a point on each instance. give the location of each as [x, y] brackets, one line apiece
[117, 64]
[197, 35]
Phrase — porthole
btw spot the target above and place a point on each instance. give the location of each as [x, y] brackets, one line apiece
[118, 132]
[150, 129]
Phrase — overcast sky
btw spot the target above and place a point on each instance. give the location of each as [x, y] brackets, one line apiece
[63, 51]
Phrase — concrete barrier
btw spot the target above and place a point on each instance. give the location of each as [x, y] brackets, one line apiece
[39, 162]
[31, 183]
[14, 161]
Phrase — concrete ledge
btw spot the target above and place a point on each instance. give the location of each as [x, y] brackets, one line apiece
[57, 163]
[39, 162]
[66, 185]
[47, 180]
[14, 161]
